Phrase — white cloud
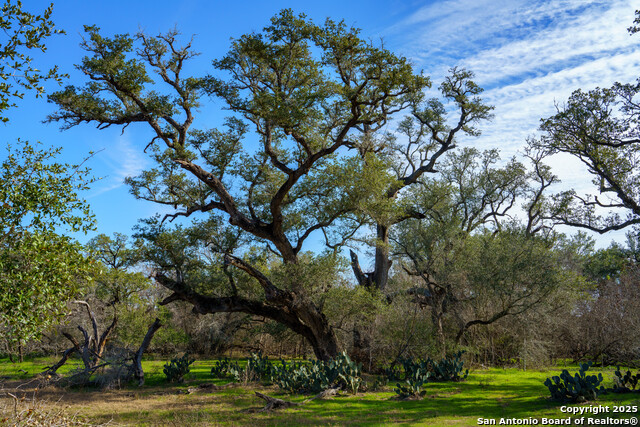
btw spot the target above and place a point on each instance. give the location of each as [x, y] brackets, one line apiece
[120, 161]
[520, 106]
[529, 54]
[447, 31]
[573, 40]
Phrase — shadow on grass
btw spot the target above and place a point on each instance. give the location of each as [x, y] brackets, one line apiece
[494, 393]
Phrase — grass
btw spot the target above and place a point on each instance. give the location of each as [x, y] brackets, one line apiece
[487, 394]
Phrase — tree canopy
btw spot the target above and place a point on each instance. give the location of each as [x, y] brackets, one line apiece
[39, 268]
[305, 99]
[599, 128]
[22, 32]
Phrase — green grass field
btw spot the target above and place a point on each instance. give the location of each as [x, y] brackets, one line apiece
[489, 394]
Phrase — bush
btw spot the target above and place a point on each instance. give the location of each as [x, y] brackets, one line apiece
[258, 367]
[577, 388]
[448, 369]
[178, 368]
[314, 377]
[418, 372]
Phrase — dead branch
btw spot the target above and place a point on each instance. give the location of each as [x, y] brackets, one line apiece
[274, 403]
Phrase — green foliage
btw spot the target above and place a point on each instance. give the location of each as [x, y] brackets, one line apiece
[418, 372]
[378, 384]
[40, 270]
[318, 376]
[39, 194]
[314, 377]
[415, 379]
[24, 31]
[626, 381]
[607, 263]
[578, 388]
[392, 373]
[447, 369]
[223, 368]
[178, 368]
[257, 367]
[319, 100]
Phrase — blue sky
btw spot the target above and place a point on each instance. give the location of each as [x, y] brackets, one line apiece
[527, 54]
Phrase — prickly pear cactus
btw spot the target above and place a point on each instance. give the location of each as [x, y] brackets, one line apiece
[577, 388]
[178, 368]
[625, 383]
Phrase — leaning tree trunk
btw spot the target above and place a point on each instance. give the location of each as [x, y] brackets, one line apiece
[289, 308]
[136, 365]
[318, 332]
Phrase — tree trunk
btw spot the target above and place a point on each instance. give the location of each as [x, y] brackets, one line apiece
[361, 352]
[443, 340]
[382, 260]
[138, 373]
[295, 311]
[379, 277]
[317, 331]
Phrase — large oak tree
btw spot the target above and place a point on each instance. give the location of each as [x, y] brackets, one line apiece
[302, 98]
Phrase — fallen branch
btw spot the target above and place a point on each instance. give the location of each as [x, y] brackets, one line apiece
[330, 392]
[275, 403]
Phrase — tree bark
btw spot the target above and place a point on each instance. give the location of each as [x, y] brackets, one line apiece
[364, 279]
[286, 307]
[138, 373]
[65, 356]
[382, 259]
[379, 277]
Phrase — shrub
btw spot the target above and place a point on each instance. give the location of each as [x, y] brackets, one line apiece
[578, 388]
[258, 367]
[178, 368]
[392, 373]
[448, 369]
[418, 372]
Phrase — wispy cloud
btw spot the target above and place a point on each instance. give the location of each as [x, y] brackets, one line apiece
[572, 41]
[444, 32]
[120, 161]
[529, 55]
